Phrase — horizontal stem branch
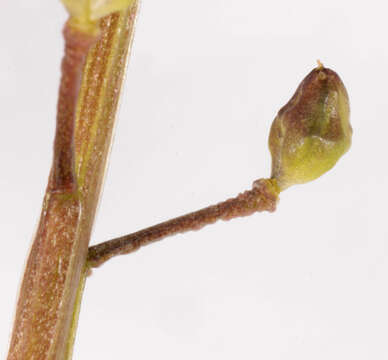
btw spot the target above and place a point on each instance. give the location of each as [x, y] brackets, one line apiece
[262, 197]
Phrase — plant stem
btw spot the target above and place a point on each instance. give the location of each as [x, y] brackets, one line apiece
[51, 291]
[262, 197]
[45, 294]
[77, 46]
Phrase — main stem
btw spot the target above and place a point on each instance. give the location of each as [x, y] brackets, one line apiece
[50, 295]
[262, 197]
[53, 267]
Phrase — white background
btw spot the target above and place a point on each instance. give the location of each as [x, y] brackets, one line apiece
[205, 80]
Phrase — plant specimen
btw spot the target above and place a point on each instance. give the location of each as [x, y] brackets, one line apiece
[307, 138]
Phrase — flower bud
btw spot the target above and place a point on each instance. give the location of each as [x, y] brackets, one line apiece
[312, 131]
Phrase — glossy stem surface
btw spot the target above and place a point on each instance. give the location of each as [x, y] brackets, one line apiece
[262, 197]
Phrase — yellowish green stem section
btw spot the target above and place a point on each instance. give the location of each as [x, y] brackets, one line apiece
[74, 323]
[86, 13]
[97, 107]
[50, 296]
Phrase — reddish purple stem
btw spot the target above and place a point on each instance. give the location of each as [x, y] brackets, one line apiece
[262, 197]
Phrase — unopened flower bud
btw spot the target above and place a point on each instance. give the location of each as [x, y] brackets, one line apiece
[312, 131]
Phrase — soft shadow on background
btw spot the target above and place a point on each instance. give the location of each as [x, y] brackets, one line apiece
[205, 80]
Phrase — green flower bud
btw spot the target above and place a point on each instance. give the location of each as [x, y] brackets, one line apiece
[312, 131]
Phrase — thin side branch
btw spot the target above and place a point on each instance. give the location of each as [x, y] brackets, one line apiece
[262, 197]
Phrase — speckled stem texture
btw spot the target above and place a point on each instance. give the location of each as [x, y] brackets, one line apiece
[49, 297]
[262, 197]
